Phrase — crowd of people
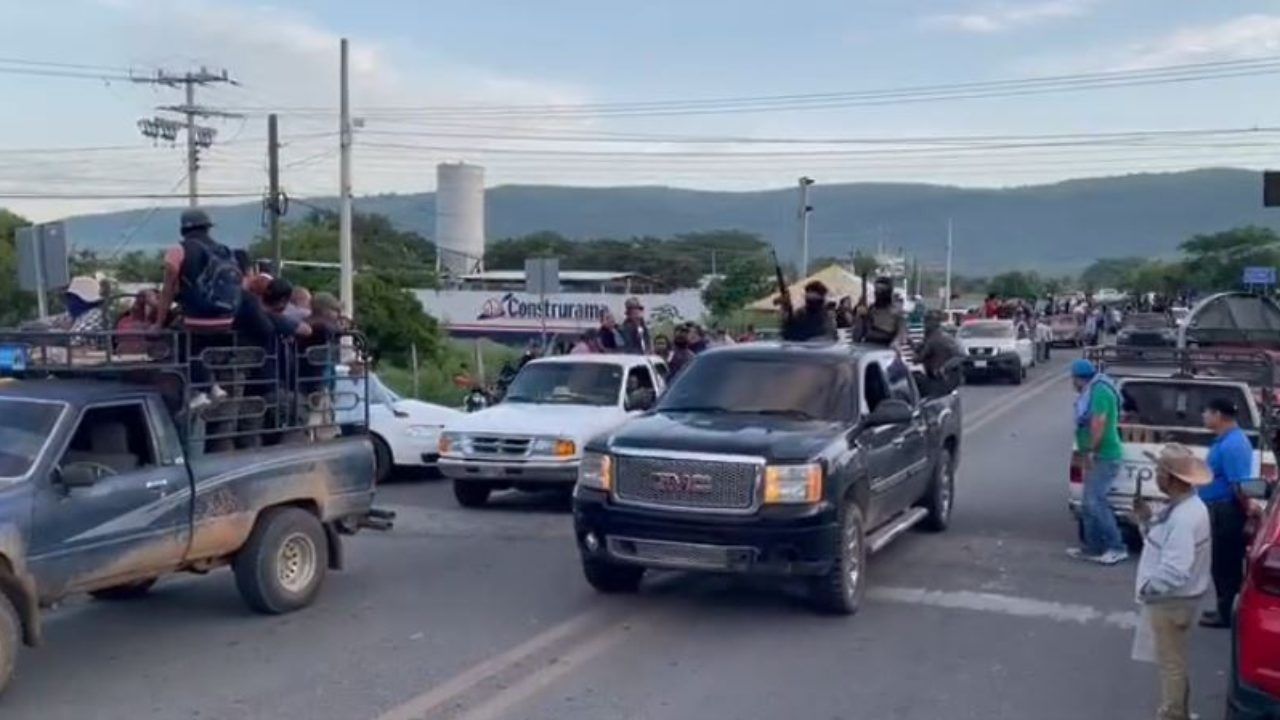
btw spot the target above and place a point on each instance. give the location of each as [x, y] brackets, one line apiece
[1196, 540]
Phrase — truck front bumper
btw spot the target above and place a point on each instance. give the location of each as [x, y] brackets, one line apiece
[510, 472]
[1002, 364]
[774, 541]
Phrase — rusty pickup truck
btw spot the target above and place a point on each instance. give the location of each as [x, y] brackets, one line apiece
[104, 488]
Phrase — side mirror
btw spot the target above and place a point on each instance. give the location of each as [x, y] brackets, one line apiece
[1257, 489]
[76, 476]
[890, 412]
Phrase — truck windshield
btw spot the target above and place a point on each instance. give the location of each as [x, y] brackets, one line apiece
[986, 330]
[24, 426]
[1173, 404]
[567, 384]
[759, 385]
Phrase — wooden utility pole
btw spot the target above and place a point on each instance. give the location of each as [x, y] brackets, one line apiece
[274, 209]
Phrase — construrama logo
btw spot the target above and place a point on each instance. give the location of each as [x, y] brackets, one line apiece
[511, 306]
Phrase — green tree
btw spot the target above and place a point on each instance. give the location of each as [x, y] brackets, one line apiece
[394, 321]
[745, 280]
[15, 305]
[1016, 284]
[1217, 261]
[865, 264]
[1109, 272]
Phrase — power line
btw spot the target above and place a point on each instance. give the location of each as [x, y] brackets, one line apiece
[832, 100]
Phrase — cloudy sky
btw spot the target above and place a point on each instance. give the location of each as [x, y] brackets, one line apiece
[596, 92]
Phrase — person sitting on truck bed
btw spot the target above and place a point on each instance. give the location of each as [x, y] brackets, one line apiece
[84, 314]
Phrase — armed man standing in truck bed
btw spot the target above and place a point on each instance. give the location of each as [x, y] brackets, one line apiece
[882, 323]
[811, 322]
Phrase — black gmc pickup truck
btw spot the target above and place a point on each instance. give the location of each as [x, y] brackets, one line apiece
[783, 459]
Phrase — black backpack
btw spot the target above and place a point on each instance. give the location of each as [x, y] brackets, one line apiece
[215, 289]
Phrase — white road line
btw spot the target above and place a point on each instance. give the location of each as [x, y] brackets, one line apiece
[989, 413]
[1009, 605]
[502, 703]
[420, 706]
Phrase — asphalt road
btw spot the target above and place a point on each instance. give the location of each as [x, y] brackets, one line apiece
[484, 615]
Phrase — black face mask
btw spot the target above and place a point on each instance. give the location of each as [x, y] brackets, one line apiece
[681, 342]
[814, 304]
[883, 297]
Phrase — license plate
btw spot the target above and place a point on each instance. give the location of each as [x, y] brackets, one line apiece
[489, 471]
[980, 364]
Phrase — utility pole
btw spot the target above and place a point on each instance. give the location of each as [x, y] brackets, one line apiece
[273, 204]
[197, 136]
[344, 188]
[947, 302]
[803, 217]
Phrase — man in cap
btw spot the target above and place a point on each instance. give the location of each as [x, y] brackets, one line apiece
[1097, 412]
[635, 333]
[84, 314]
[813, 321]
[203, 277]
[882, 323]
[1231, 461]
[1173, 572]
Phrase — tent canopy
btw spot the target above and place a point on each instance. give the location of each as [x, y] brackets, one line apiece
[1233, 319]
[840, 283]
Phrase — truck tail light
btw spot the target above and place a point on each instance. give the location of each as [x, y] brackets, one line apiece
[1268, 472]
[1077, 469]
[1265, 573]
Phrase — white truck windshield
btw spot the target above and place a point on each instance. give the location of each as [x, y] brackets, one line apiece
[588, 383]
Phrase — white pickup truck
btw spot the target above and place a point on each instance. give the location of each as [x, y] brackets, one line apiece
[1156, 410]
[533, 439]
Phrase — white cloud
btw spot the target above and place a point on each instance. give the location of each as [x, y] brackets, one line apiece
[1241, 37]
[1001, 17]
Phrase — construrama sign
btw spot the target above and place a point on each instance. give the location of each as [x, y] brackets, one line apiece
[499, 312]
[511, 306]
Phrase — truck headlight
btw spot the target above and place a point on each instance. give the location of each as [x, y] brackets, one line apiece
[596, 471]
[449, 443]
[422, 431]
[792, 484]
[556, 447]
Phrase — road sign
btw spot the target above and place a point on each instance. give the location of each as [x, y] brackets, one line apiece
[542, 276]
[1271, 189]
[42, 260]
[1260, 276]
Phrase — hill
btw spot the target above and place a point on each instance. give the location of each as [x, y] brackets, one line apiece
[1055, 227]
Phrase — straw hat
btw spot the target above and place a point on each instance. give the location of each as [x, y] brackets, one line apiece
[85, 288]
[1178, 460]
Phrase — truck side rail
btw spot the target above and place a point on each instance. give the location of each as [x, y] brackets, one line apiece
[224, 393]
[1257, 368]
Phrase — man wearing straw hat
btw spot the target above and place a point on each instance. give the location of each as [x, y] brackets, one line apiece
[1173, 572]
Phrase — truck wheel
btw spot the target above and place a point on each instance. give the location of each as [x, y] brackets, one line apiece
[612, 578]
[1019, 374]
[941, 495]
[281, 567]
[10, 637]
[470, 494]
[840, 591]
[383, 461]
[128, 591]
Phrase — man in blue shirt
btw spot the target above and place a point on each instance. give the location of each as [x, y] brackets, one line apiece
[1231, 460]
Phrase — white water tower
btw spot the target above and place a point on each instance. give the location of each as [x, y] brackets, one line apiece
[459, 218]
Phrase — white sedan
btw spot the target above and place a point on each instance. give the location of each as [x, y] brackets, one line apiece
[405, 432]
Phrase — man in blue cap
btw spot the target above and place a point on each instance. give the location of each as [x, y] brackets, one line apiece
[1097, 413]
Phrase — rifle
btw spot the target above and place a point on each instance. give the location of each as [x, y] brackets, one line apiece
[784, 293]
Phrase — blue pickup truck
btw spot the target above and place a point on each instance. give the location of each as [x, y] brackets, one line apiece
[107, 483]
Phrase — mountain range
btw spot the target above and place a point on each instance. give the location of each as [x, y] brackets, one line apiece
[1052, 228]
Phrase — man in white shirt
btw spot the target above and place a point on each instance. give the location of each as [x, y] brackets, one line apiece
[1174, 571]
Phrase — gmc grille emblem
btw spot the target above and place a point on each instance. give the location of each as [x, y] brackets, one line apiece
[681, 482]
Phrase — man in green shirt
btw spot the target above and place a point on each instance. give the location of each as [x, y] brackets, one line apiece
[1097, 412]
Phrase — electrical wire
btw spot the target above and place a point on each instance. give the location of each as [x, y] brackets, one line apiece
[832, 100]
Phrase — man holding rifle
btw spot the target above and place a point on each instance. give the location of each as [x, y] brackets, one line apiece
[813, 321]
